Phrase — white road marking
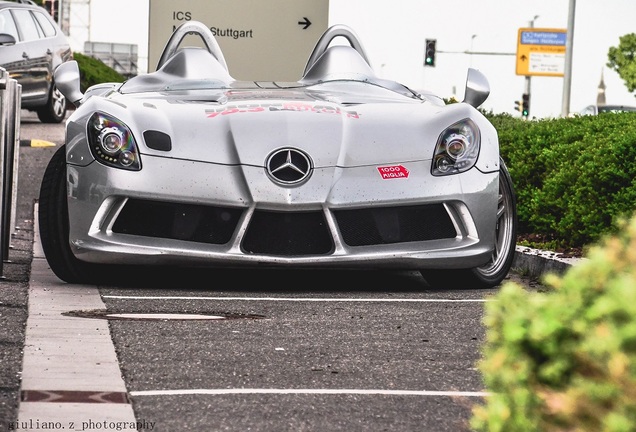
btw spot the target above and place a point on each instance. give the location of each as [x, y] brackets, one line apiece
[309, 391]
[294, 299]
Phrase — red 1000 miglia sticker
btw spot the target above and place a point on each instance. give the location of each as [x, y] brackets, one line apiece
[393, 172]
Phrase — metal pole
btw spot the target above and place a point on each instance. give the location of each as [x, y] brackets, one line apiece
[569, 48]
[4, 79]
[528, 77]
[8, 143]
[15, 124]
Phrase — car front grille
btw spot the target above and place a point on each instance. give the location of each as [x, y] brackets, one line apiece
[284, 233]
[288, 233]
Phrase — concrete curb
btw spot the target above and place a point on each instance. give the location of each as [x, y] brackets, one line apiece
[536, 262]
[69, 366]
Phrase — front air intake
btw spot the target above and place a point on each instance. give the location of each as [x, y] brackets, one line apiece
[378, 226]
[177, 221]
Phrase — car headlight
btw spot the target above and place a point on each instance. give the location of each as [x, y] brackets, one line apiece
[457, 149]
[112, 143]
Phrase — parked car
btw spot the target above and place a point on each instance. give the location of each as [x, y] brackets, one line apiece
[186, 166]
[599, 109]
[31, 47]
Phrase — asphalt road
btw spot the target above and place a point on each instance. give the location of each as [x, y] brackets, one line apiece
[293, 350]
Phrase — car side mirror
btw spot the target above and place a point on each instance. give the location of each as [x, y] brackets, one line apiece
[7, 39]
[67, 80]
[477, 88]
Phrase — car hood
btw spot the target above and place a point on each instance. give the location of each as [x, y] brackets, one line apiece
[244, 126]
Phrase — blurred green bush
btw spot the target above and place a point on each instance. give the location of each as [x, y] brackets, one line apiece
[565, 360]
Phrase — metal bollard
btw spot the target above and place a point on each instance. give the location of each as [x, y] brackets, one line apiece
[10, 106]
[4, 77]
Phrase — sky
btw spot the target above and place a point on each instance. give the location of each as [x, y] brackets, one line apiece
[394, 33]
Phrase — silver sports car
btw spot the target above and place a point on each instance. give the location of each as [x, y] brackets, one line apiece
[186, 166]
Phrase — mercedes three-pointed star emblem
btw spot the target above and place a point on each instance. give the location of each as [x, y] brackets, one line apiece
[288, 166]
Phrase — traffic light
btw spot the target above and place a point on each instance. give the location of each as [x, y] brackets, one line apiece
[519, 106]
[429, 52]
[525, 105]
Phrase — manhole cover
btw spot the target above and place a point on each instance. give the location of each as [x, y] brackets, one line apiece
[159, 316]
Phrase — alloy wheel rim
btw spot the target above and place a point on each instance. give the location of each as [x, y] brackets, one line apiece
[503, 232]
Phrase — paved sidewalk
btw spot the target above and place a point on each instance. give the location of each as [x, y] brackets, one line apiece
[70, 373]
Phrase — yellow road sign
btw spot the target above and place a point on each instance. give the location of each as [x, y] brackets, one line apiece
[541, 51]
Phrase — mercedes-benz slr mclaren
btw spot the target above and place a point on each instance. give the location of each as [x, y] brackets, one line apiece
[187, 167]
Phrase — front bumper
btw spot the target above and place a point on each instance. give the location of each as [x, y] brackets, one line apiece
[189, 213]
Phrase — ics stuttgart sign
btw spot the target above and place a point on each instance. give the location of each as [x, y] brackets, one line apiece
[260, 40]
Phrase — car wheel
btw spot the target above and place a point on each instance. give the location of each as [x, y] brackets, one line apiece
[54, 225]
[494, 271]
[55, 109]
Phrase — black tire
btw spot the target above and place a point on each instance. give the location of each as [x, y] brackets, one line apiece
[54, 225]
[55, 109]
[494, 271]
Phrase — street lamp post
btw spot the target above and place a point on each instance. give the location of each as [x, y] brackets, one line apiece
[569, 47]
[472, 40]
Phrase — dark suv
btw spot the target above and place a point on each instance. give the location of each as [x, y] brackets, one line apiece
[31, 47]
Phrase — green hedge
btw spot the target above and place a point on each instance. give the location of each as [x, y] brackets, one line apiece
[574, 177]
[565, 360]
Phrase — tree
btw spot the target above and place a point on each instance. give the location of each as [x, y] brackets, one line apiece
[622, 59]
